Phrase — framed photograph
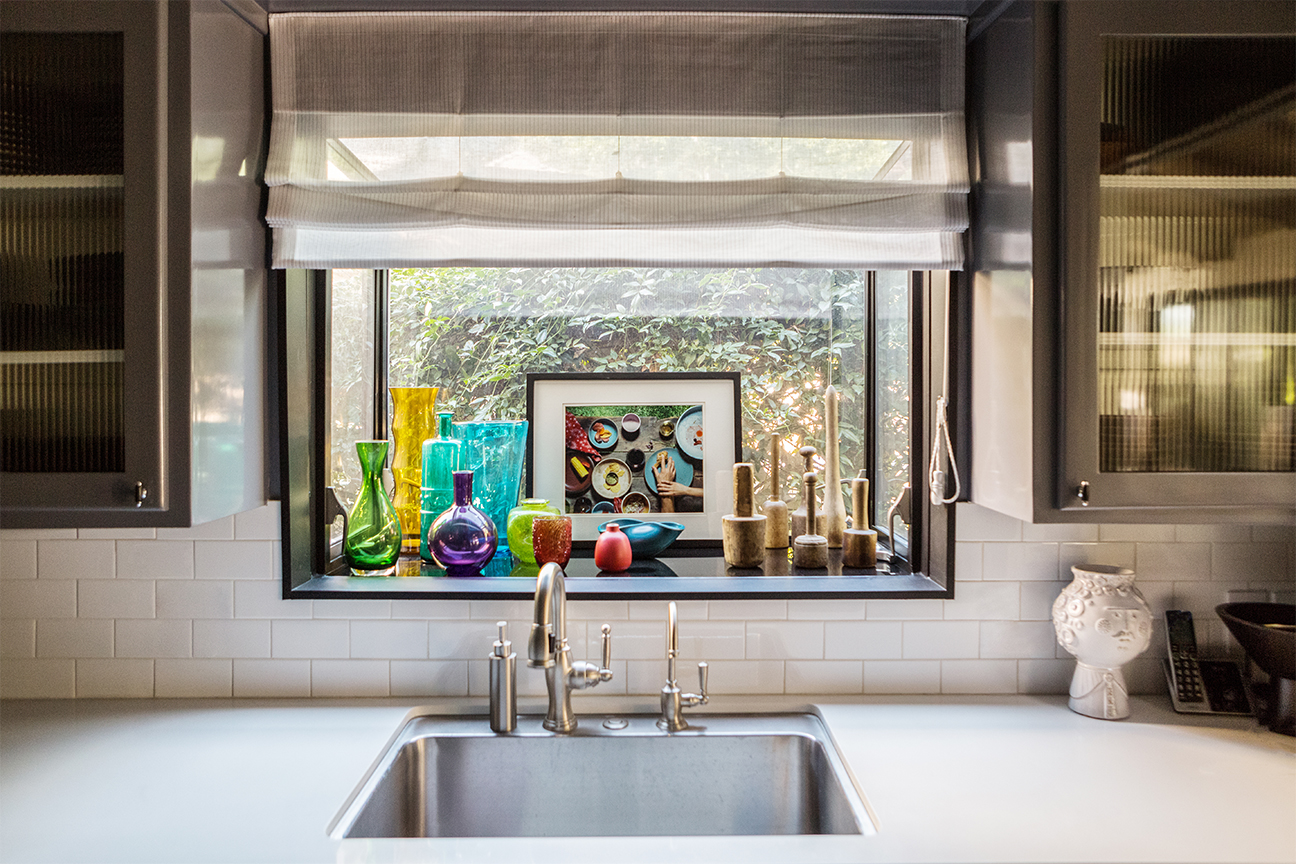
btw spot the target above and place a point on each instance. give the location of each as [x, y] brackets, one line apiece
[652, 446]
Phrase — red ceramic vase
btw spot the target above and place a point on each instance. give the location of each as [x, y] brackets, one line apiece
[612, 550]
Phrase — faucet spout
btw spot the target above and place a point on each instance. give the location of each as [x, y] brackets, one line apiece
[547, 649]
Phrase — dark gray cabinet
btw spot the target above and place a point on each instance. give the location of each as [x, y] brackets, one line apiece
[133, 335]
[1133, 290]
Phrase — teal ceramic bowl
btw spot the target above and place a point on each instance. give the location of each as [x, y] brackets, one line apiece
[647, 539]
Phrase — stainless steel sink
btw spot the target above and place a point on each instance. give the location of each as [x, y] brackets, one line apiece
[726, 774]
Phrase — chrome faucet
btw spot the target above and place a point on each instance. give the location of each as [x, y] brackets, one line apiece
[547, 649]
[673, 702]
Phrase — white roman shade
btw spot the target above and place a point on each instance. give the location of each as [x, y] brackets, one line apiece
[603, 138]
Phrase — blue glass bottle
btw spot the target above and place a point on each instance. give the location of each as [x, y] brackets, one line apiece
[442, 456]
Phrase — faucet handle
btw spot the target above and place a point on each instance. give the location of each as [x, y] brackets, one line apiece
[702, 680]
[605, 672]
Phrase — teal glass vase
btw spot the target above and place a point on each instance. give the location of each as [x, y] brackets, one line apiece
[493, 450]
[373, 532]
[519, 526]
[442, 456]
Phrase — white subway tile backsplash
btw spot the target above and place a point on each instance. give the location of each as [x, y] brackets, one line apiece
[709, 640]
[631, 640]
[746, 610]
[406, 640]
[740, 676]
[115, 598]
[18, 638]
[1252, 561]
[116, 533]
[1114, 554]
[265, 600]
[1017, 639]
[906, 610]
[530, 682]
[655, 610]
[455, 610]
[599, 610]
[1019, 562]
[114, 679]
[967, 562]
[17, 559]
[1273, 533]
[649, 676]
[76, 559]
[217, 529]
[464, 640]
[1212, 533]
[8, 534]
[37, 679]
[978, 676]
[263, 523]
[155, 559]
[826, 610]
[1060, 532]
[784, 640]
[233, 559]
[973, 522]
[502, 610]
[254, 678]
[154, 638]
[231, 639]
[862, 640]
[1044, 676]
[1173, 561]
[33, 598]
[902, 676]
[1137, 533]
[195, 599]
[1037, 600]
[74, 638]
[431, 677]
[331, 678]
[310, 639]
[824, 676]
[193, 679]
[353, 609]
[980, 601]
[938, 640]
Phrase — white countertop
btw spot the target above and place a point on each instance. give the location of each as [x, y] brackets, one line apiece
[949, 779]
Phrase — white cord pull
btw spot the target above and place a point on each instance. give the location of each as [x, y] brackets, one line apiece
[935, 476]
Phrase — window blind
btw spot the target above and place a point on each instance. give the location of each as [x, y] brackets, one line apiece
[605, 138]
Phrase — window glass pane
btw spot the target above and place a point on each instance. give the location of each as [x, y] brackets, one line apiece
[1197, 255]
[892, 393]
[352, 376]
[477, 332]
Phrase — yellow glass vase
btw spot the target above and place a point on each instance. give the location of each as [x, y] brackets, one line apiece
[413, 422]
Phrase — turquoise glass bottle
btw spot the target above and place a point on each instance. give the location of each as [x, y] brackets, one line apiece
[494, 451]
[442, 456]
[373, 532]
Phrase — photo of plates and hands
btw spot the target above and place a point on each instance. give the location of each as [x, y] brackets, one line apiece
[633, 459]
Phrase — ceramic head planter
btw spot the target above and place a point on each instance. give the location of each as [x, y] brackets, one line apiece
[1104, 621]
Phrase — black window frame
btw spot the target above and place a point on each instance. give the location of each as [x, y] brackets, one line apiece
[300, 303]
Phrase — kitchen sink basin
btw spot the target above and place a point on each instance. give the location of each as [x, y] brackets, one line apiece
[724, 775]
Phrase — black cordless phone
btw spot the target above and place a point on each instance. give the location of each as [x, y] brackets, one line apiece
[1200, 686]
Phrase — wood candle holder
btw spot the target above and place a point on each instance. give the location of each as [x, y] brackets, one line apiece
[834, 512]
[859, 545]
[798, 518]
[810, 550]
[743, 532]
[776, 509]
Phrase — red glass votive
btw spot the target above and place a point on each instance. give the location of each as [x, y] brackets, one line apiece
[551, 539]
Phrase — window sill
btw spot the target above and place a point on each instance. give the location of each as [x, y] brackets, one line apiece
[698, 577]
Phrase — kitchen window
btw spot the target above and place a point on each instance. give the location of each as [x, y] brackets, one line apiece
[781, 195]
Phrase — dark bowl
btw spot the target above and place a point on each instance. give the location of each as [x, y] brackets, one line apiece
[1272, 648]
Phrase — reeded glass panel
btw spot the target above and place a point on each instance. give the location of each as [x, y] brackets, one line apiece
[62, 286]
[1197, 255]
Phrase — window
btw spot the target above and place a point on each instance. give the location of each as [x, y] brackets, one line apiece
[779, 195]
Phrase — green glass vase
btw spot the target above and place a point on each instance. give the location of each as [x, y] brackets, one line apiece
[373, 531]
[519, 526]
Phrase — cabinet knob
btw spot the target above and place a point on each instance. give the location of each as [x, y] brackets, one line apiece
[1082, 492]
[141, 493]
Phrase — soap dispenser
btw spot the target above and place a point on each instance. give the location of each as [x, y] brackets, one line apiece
[503, 683]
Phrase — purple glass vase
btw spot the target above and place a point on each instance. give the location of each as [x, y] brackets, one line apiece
[462, 539]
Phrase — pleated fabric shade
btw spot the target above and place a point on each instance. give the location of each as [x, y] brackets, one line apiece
[603, 138]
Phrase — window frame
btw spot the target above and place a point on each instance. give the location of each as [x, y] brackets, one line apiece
[301, 302]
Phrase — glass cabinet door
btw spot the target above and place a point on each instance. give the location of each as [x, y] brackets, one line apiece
[80, 288]
[1180, 278]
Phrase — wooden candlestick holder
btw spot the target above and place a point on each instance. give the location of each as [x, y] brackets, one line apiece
[810, 550]
[859, 545]
[743, 532]
[776, 509]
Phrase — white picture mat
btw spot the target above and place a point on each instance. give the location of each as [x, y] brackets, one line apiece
[550, 399]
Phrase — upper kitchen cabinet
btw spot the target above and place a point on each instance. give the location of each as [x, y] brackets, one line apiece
[132, 325]
[1134, 287]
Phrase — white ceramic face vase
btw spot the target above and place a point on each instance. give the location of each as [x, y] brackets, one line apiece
[1104, 621]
